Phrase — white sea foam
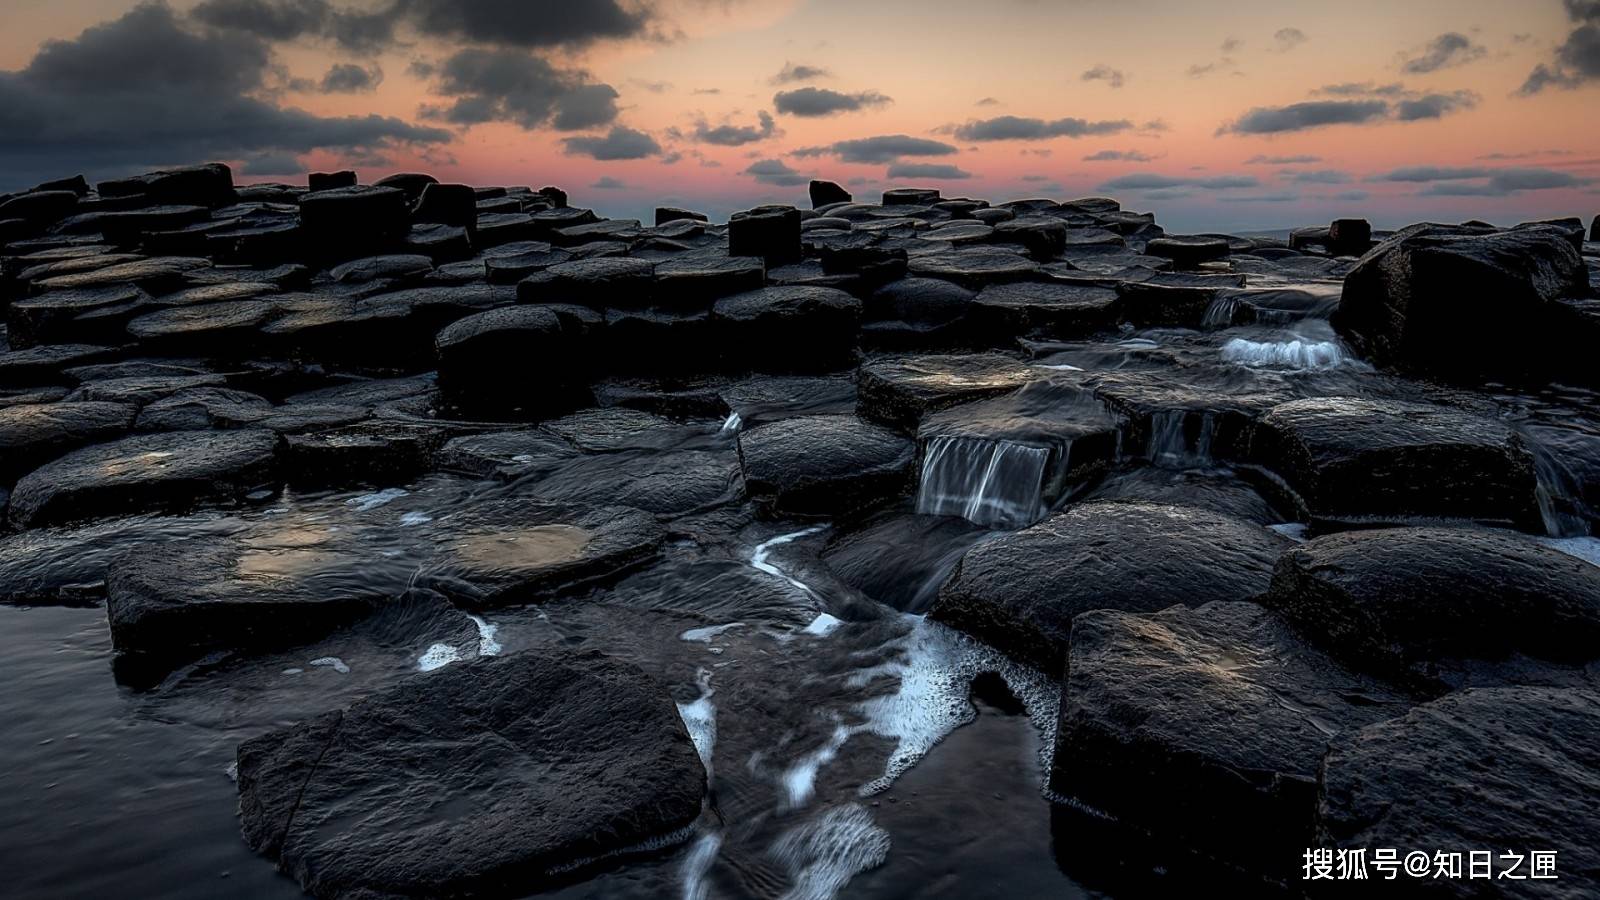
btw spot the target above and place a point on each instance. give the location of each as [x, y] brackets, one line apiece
[437, 657]
[332, 662]
[1294, 354]
[823, 625]
[487, 645]
[1584, 548]
[731, 424]
[697, 863]
[415, 518]
[822, 855]
[700, 718]
[707, 634]
[1294, 531]
[758, 558]
[375, 500]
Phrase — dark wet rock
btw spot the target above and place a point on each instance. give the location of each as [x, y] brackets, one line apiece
[349, 222]
[145, 473]
[520, 357]
[327, 181]
[1403, 602]
[1188, 250]
[1463, 302]
[512, 551]
[141, 389]
[765, 398]
[205, 185]
[614, 281]
[1133, 557]
[693, 281]
[204, 408]
[1503, 770]
[156, 274]
[901, 391]
[932, 305]
[823, 465]
[1349, 457]
[601, 232]
[1183, 422]
[1571, 492]
[794, 328]
[959, 234]
[399, 266]
[604, 430]
[872, 265]
[447, 204]
[367, 453]
[1044, 237]
[684, 398]
[910, 197]
[1205, 727]
[826, 193]
[1148, 305]
[32, 434]
[770, 232]
[974, 268]
[224, 330]
[504, 454]
[665, 214]
[1594, 230]
[510, 263]
[1217, 490]
[412, 184]
[1349, 237]
[668, 484]
[46, 364]
[660, 341]
[439, 243]
[588, 754]
[1094, 240]
[39, 208]
[993, 215]
[1005, 311]
[495, 229]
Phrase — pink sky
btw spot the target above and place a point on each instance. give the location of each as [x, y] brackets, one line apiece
[1193, 96]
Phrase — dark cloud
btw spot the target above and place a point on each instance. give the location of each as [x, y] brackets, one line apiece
[735, 135]
[935, 171]
[270, 165]
[1310, 114]
[1114, 155]
[1351, 196]
[1289, 38]
[620, 142]
[1448, 49]
[1504, 182]
[500, 85]
[792, 72]
[1149, 181]
[1577, 59]
[1103, 72]
[1319, 176]
[607, 183]
[1261, 198]
[776, 172]
[144, 90]
[1432, 173]
[526, 23]
[1231, 45]
[1016, 128]
[880, 149]
[987, 101]
[287, 20]
[349, 78]
[1282, 160]
[1434, 106]
[813, 101]
[1362, 89]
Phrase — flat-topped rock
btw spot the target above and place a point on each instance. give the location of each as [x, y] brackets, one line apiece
[975, 267]
[1188, 250]
[1351, 457]
[1006, 311]
[823, 465]
[32, 434]
[505, 454]
[587, 755]
[1206, 727]
[788, 328]
[520, 357]
[900, 391]
[694, 281]
[145, 473]
[1135, 557]
[1412, 604]
[1503, 770]
[770, 232]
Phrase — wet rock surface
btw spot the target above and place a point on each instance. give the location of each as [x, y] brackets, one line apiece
[852, 487]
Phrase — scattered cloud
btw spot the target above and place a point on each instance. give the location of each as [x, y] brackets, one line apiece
[793, 72]
[1223, 65]
[1016, 128]
[1432, 173]
[1289, 38]
[349, 78]
[1445, 51]
[527, 23]
[1434, 106]
[987, 101]
[1115, 155]
[815, 102]
[776, 172]
[1260, 198]
[1319, 176]
[1309, 114]
[607, 183]
[735, 135]
[1577, 58]
[1362, 89]
[880, 149]
[500, 85]
[1479, 181]
[1150, 181]
[1231, 45]
[935, 171]
[620, 142]
[286, 20]
[1282, 160]
[1102, 72]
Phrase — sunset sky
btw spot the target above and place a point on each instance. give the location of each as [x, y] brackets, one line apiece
[1244, 114]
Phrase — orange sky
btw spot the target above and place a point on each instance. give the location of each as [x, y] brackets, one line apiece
[1186, 70]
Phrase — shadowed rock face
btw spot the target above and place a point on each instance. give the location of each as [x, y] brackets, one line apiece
[1138, 557]
[1471, 770]
[544, 764]
[823, 465]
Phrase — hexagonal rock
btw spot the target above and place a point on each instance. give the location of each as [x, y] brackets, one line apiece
[1351, 457]
[513, 357]
[1461, 302]
[770, 232]
[1507, 770]
[32, 434]
[210, 184]
[823, 465]
[1006, 311]
[825, 193]
[974, 268]
[789, 328]
[514, 550]
[1413, 604]
[1188, 250]
[327, 181]
[545, 763]
[1206, 727]
[692, 281]
[607, 281]
[900, 391]
[504, 454]
[1044, 237]
[356, 221]
[1013, 592]
[145, 473]
[910, 197]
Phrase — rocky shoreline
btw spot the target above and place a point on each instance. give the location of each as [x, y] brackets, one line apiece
[1295, 535]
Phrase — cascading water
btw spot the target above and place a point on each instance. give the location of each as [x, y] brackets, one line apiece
[1297, 354]
[1558, 495]
[1169, 445]
[996, 484]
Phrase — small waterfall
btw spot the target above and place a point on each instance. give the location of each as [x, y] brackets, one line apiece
[1560, 504]
[1295, 354]
[1169, 445]
[1221, 311]
[996, 484]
